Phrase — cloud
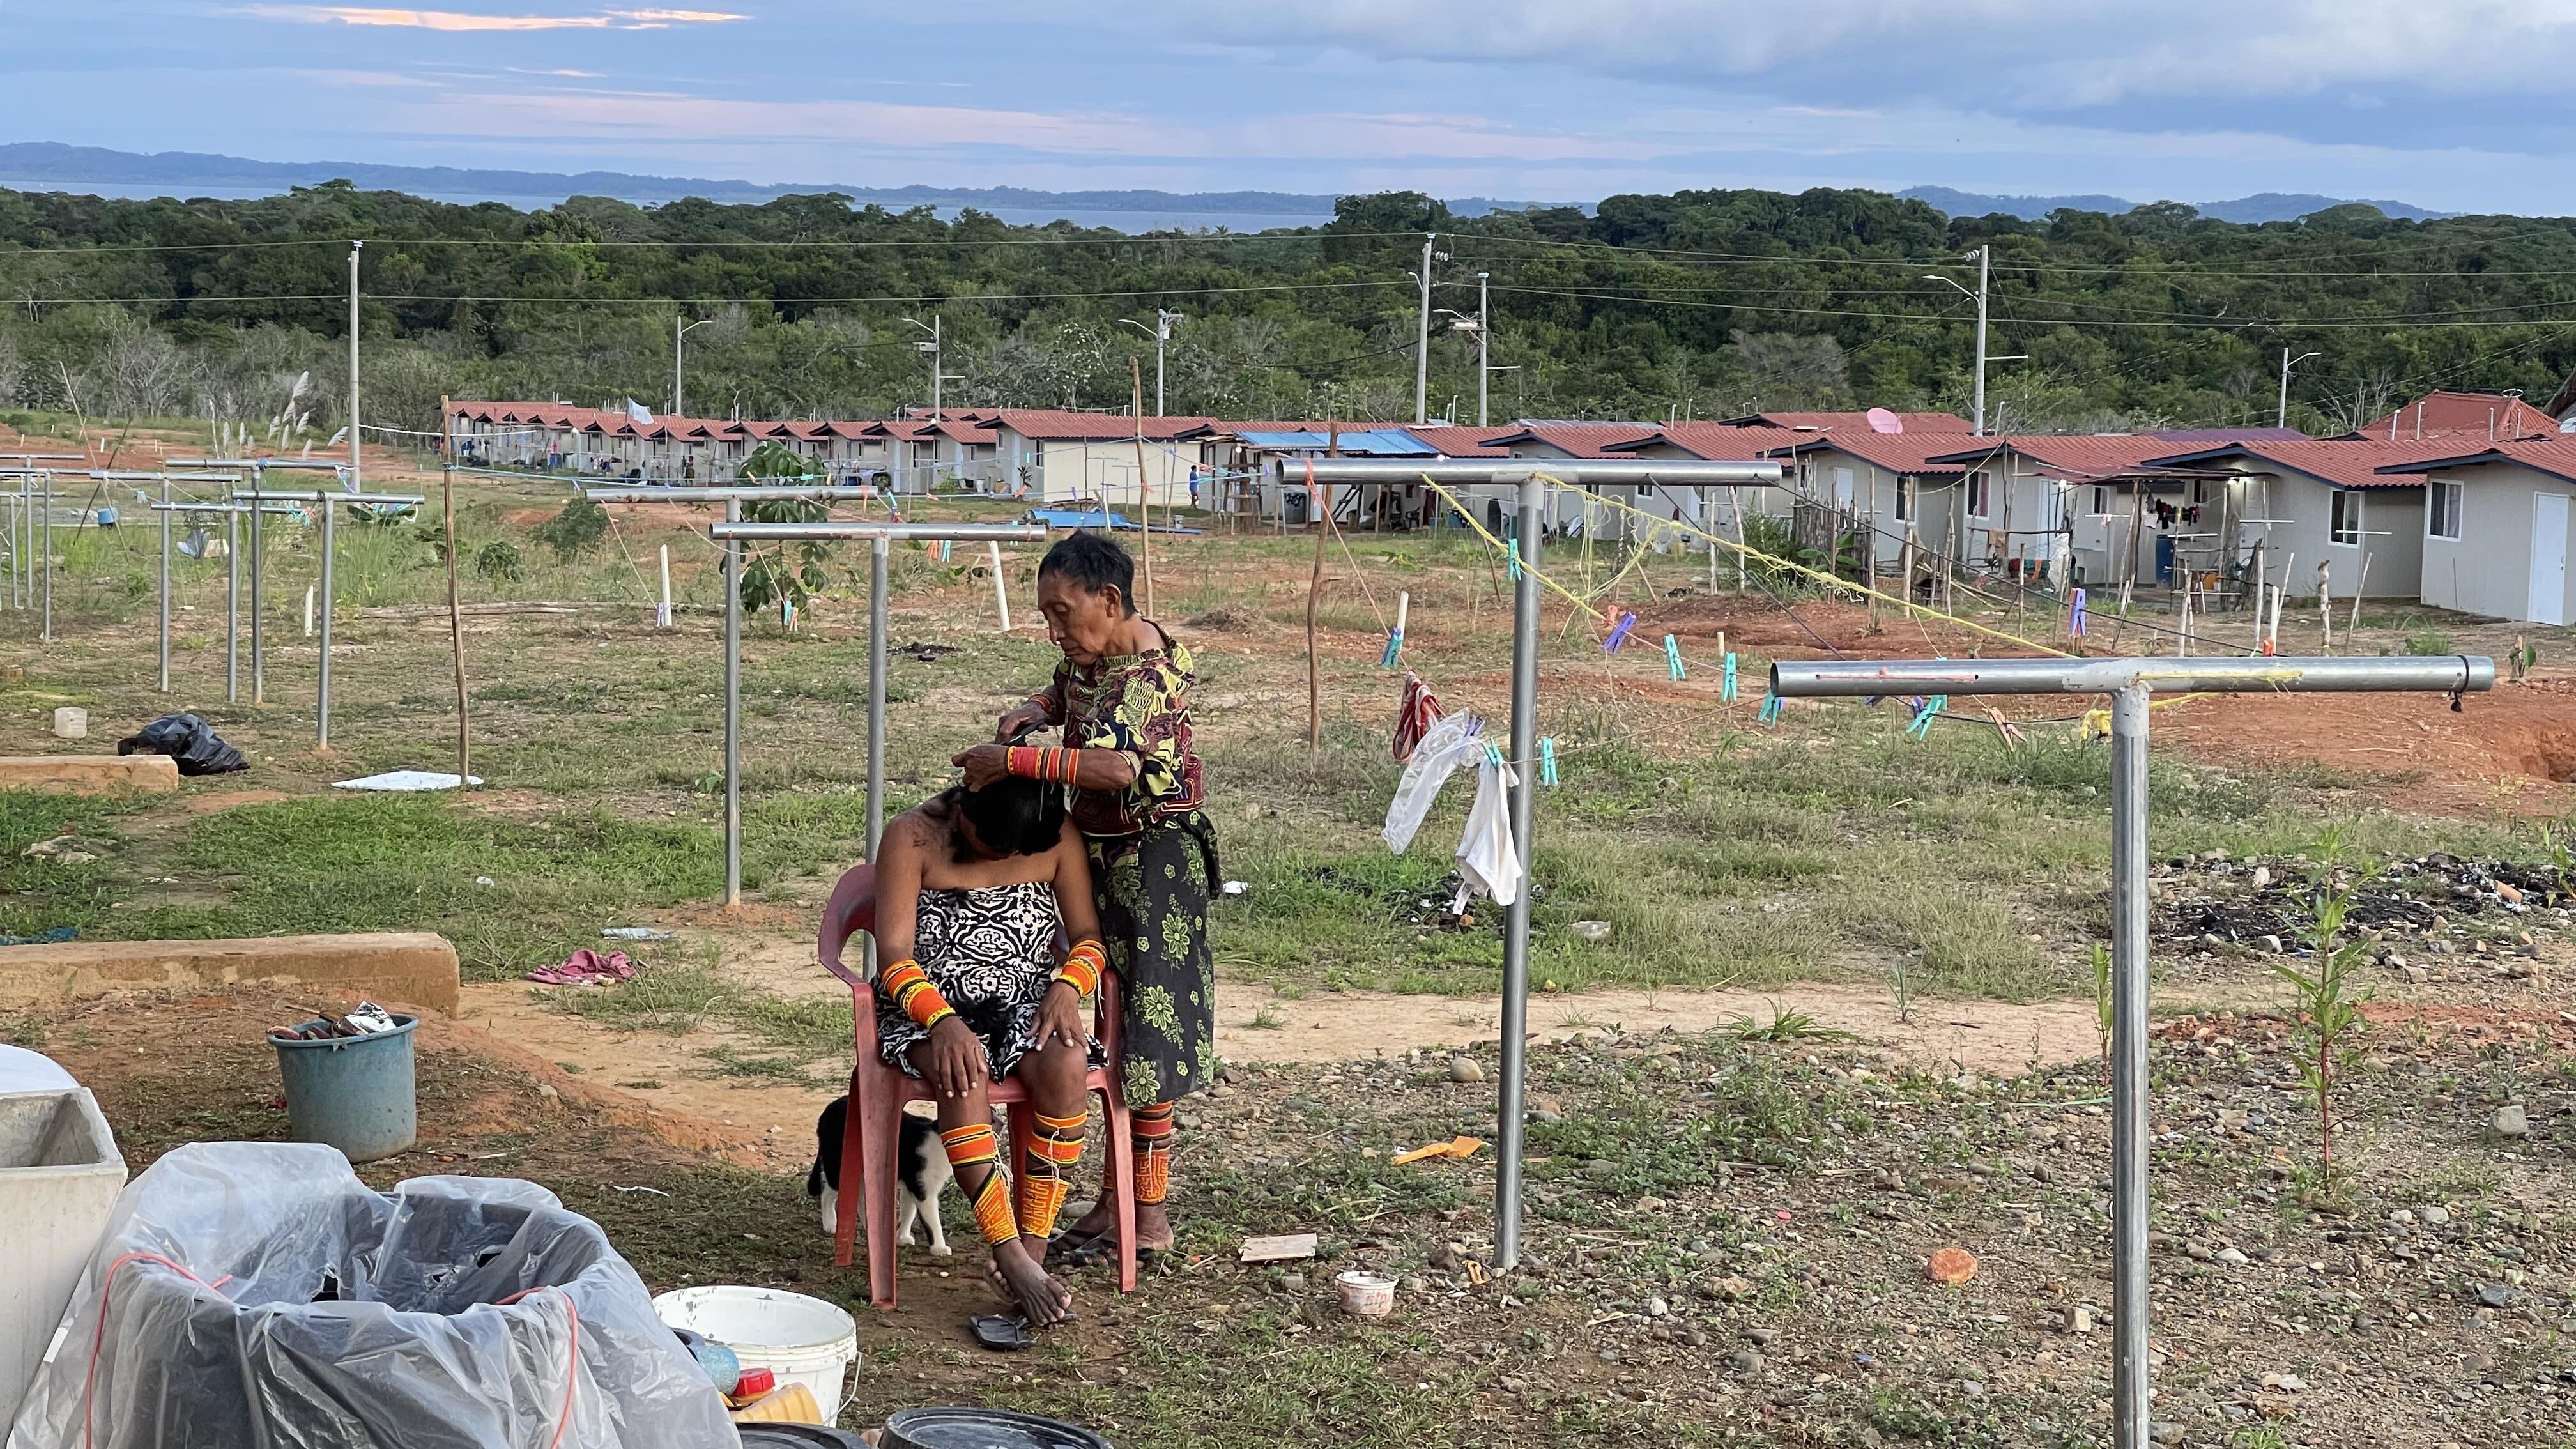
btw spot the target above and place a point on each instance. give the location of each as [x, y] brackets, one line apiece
[460, 21]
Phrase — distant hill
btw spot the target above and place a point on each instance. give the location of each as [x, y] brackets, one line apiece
[51, 166]
[2265, 206]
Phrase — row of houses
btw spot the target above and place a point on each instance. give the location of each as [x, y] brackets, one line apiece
[2461, 500]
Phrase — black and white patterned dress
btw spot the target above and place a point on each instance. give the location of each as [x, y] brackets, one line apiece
[991, 951]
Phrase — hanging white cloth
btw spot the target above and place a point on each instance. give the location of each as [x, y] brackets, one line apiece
[1487, 856]
[1450, 742]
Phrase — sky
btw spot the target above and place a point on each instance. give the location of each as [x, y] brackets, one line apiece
[2450, 104]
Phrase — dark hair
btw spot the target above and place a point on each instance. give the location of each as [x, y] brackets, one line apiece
[1094, 562]
[1012, 816]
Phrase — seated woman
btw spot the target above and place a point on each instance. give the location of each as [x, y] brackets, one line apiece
[971, 888]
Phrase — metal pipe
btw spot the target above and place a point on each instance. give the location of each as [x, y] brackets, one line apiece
[888, 532]
[664, 494]
[322, 689]
[258, 625]
[2129, 1067]
[878, 550]
[1516, 919]
[164, 511]
[47, 549]
[307, 495]
[733, 709]
[1836, 678]
[232, 606]
[1563, 470]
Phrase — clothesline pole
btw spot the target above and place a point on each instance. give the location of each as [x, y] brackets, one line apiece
[2129, 682]
[1516, 920]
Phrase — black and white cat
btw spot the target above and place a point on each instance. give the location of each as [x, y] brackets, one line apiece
[921, 1173]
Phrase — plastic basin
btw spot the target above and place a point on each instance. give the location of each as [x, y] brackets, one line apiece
[353, 1092]
[802, 1340]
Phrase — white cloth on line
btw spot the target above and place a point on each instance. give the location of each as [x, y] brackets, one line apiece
[1450, 742]
[1487, 855]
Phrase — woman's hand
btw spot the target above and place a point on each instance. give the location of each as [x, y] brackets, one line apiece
[1060, 1018]
[983, 764]
[957, 1064]
[1018, 722]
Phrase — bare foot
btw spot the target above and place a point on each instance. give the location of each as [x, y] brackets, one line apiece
[1022, 1283]
[1094, 1239]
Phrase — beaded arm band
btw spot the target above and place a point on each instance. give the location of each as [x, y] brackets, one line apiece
[1057, 766]
[1082, 967]
[910, 987]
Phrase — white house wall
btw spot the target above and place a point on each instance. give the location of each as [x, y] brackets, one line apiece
[2487, 570]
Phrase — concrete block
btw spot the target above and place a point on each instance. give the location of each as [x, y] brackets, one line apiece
[415, 968]
[71, 722]
[90, 774]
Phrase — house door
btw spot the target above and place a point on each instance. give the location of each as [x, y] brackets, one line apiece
[2548, 559]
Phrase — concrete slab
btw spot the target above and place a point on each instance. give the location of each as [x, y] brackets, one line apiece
[90, 774]
[416, 968]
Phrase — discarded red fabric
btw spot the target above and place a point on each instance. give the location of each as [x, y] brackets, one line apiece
[586, 967]
[1415, 716]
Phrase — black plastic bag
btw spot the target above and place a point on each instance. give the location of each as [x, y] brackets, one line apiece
[187, 739]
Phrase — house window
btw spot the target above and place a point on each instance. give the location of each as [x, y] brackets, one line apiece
[1977, 497]
[1843, 487]
[1905, 498]
[2101, 502]
[2347, 517]
[2442, 510]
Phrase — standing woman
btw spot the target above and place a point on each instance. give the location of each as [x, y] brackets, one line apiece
[1122, 698]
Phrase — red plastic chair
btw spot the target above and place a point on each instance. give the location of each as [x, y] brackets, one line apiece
[879, 1093]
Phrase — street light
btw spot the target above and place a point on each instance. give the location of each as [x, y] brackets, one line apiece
[1984, 255]
[931, 347]
[1161, 332]
[2288, 362]
[1422, 337]
[679, 330]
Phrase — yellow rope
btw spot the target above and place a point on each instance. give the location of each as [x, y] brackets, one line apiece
[1508, 552]
[1832, 580]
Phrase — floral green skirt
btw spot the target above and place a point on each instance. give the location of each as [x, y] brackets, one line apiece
[1152, 889]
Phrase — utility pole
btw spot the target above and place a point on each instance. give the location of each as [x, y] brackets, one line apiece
[1422, 338]
[354, 248]
[680, 329]
[937, 365]
[1162, 337]
[1985, 254]
[1484, 347]
[2282, 418]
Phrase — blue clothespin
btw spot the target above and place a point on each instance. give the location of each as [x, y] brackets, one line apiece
[1493, 754]
[1771, 704]
[1673, 658]
[1547, 760]
[2075, 616]
[1922, 726]
[1394, 647]
[1619, 633]
[1726, 686]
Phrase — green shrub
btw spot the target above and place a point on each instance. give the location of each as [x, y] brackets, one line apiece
[575, 531]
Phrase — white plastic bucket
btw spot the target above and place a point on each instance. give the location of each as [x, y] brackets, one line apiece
[802, 1340]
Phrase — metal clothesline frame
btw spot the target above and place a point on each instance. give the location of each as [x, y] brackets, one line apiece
[2129, 682]
[232, 591]
[1531, 477]
[732, 533]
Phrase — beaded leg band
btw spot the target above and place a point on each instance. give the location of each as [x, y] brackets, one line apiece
[1151, 1130]
[970, 1148]
[1046, 1173]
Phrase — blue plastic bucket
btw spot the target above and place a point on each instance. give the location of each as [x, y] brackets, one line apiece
[352, 1092]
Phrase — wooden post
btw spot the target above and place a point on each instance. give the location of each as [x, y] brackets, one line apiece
[2325, 602]
[2355, 626]
[1905, 570]
[455, 616]
[1314, 593]
[1735, 500]
[1144, 492]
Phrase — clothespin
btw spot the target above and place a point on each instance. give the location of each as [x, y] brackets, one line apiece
[2095, 724]
[1619, 632]
[1547, 760]
[1673, 658]
[2075, 616]
[1771, 704]
[1395, 636]
[1726, 686]
[1493, 754]
[1922, 726]
[2004, 727]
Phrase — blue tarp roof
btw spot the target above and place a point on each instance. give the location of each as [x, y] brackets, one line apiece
[1379, 443]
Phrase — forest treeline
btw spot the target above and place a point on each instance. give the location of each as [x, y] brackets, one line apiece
[1700, 303]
